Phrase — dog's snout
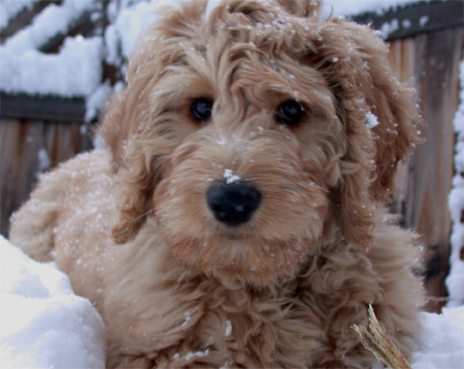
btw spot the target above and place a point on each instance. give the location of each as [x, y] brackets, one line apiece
[233, 204]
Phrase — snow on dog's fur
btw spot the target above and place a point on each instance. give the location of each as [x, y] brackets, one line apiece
[237, 218]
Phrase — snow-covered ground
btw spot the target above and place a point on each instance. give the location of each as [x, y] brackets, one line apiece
[44, 325]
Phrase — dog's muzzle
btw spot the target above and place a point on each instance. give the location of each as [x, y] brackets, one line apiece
[234, 203]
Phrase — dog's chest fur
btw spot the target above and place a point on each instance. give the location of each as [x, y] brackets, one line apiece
[191, 318]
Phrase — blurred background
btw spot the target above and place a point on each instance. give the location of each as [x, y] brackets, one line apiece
[61, 59]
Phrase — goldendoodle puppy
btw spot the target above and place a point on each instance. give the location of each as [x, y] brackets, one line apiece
[237, 217]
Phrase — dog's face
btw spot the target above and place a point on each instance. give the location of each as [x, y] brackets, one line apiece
[246, 135]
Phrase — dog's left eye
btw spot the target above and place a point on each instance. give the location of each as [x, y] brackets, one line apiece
[290, 113]
[201, 109]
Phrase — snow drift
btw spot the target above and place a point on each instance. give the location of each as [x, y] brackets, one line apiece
[43, 323]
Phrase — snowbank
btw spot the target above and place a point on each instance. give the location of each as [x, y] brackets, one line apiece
[43, 324]
[455, 279]
[441, 344]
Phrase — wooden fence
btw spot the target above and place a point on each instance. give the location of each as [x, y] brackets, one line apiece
[23, 145]
[432, 59]
[427, 54]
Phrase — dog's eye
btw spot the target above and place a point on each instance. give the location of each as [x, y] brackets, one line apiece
[201, 109]
[290, 113]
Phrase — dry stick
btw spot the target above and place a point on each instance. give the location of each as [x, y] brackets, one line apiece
[380, 345]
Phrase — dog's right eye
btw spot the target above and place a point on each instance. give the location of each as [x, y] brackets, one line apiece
[290, 113]
[201, 109]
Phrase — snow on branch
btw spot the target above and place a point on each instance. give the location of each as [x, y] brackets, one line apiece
[75, 71]
[10, 9]
[53, 20]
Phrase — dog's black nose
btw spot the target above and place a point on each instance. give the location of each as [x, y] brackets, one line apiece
[233, 203]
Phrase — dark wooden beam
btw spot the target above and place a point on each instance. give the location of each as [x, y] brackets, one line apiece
[46, 108]
[417, 18]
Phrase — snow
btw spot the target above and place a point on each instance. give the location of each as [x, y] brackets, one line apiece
[388, 28]
[372, 120]
[75, 71]
[44, 160]
[230, 176]
[455, 279]
[9, 9]
[228, 328]
[51, 21]
[43, 324]
[187, 319]
[441, 344]
[120, 36]
[191, 355]
[423, 20]
[355, 7]
[96, 101]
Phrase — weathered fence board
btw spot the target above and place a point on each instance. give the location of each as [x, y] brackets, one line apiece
[423, 186]
[20, 165]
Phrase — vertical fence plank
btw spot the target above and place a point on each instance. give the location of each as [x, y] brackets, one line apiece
[437, 58]
[21, 142]
[401, 60]
[422, 185]
[9, 133]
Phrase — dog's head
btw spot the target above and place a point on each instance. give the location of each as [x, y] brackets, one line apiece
[257, 133]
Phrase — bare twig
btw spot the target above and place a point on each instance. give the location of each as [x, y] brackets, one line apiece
[380, 345]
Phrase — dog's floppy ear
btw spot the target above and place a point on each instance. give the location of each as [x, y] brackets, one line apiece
[122, 129]
[379, 115]
[128, 126]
